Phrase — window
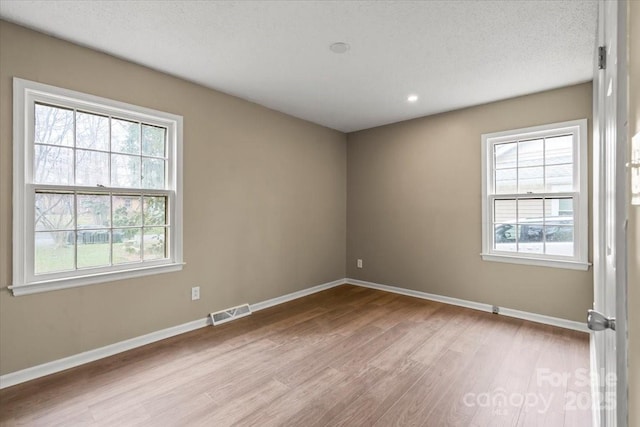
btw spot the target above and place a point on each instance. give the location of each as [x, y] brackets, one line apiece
[535, 195]
[97, 189]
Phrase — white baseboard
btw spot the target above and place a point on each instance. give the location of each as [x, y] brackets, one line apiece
[48, 368]
[295, 295]
[59, 365]
[547, 320]
[533, 317]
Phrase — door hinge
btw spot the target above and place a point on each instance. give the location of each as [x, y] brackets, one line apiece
[602, 57]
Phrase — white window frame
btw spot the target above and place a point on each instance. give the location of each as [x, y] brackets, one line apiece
[579, 261]
[25, 94]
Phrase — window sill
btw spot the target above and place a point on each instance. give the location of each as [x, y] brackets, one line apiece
[73, 282]
[554, 263]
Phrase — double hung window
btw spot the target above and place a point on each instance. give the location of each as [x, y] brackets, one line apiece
[97, 191]
[535, 195]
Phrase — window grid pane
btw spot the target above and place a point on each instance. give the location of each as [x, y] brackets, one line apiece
[53, 165]
[533, 166]
[54, 252]
[125, 136]
[92, 131]
[534, 225]
[154, 243]
[54, 125]
[89, 149]
[79, 230]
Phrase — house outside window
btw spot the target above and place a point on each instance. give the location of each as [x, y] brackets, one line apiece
[534, 204]
[97, 189]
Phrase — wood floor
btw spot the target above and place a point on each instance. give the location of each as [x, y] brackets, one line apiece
[347, 356]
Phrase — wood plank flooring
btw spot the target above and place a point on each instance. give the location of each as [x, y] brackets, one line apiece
[348, 356]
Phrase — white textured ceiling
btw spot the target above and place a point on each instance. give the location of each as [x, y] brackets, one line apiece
[452, 54]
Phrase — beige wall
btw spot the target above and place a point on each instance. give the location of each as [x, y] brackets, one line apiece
[633, 236]
[414, 207]
[265, 207]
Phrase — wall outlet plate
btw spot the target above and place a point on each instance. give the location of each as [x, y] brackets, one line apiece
[359, 263]
[195, 293]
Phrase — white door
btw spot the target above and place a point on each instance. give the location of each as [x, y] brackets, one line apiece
[609, 222]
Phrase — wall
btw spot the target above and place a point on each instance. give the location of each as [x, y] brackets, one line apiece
[264, 207]
[414, 207]
[633, 230]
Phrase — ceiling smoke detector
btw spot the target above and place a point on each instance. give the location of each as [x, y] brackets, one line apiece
[339, 47]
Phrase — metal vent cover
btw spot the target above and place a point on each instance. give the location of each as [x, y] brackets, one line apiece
[230, 314]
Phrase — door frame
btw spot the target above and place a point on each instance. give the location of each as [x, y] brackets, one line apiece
[620, 217]
[622, 194]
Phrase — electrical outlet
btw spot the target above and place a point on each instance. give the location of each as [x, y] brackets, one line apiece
[359, 263]
[195, 293]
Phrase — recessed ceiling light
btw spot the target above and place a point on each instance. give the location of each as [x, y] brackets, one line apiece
[339, 47]
[412, 98]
